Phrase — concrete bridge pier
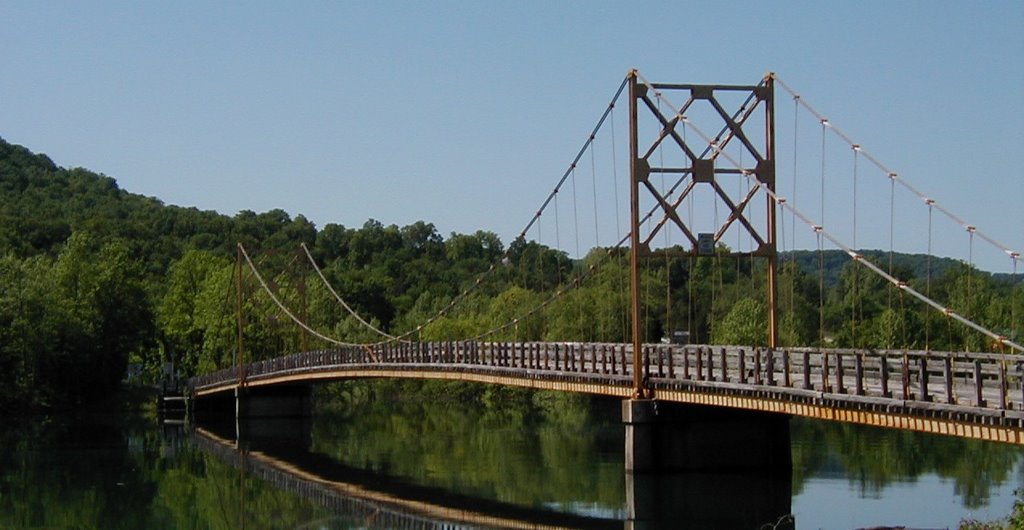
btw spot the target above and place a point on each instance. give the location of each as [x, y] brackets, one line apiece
[719, 467]
[258, 416]
[742, 499]
[271, 417]
[284, 401]
[671, 437]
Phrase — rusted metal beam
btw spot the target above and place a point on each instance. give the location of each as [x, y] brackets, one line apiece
[639, 390]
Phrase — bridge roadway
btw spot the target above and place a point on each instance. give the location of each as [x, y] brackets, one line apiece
[970, 395]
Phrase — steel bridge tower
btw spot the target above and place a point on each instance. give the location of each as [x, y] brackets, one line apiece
[702, 166]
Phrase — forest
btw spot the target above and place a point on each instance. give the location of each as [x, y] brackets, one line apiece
[94, 279]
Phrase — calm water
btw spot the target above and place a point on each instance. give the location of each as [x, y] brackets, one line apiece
[407, 463]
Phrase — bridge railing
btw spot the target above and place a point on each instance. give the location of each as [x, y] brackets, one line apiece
[975, 380]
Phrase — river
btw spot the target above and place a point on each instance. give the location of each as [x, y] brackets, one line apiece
[392, 463]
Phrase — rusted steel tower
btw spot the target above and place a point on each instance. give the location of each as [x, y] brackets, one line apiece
[702, 163]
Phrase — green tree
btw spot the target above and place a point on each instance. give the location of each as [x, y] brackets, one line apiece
[745, 324]
[178, 313]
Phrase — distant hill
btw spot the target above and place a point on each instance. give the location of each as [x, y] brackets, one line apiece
[41, 204]
[834, 260]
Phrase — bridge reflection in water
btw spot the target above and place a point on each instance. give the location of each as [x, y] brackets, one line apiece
[277, 451]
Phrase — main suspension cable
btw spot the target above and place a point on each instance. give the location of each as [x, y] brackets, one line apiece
[348, 308]
[892, 174]
[282, 307]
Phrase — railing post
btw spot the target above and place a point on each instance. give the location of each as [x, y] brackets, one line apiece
[661, 361]
[671, 362]
[824, 371]
[770, 366]
[924, 379]
[807, 370]
[686, 362]
[1002, 384]
[700, 364]
[840, 386]
[979, 385]
[858, 371]
[883, 374]
[757, 367]
[947, 369]
[786, 378]
[743, 366]
[906, 376]
[725, 366]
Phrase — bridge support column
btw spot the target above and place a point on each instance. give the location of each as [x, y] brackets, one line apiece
[695, 463]
[277, 402]
[742, 499]
[670, 437]
[276, 416]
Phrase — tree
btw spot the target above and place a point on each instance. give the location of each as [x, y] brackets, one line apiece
[745, 324]
[178, 314]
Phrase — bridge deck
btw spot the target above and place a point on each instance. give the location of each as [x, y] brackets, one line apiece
[974, 395]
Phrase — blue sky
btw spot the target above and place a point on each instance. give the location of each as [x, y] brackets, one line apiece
[465, 114]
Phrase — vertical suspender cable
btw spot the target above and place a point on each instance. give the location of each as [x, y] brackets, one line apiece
[782, 223]
[691, 328]
[824, 124]
[666, 327]
[623, 305]
[558, 238]
[968, 307]
[928, 281]
[577, 266]
[821, 310]
[540, 269]
[239, 292]
[892, 236]
[593, 185]
[821, 250]
[739, 233]
[856, 306]
[602, 328]
[540, 257]
[716, 277]
[1013, 298]
[792, 197]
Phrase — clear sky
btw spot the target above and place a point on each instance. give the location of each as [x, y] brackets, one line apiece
[465, 114]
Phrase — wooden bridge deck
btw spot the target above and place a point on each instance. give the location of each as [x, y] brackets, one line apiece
[972, 395]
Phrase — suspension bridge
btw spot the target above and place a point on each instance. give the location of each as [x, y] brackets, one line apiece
[693, 195]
